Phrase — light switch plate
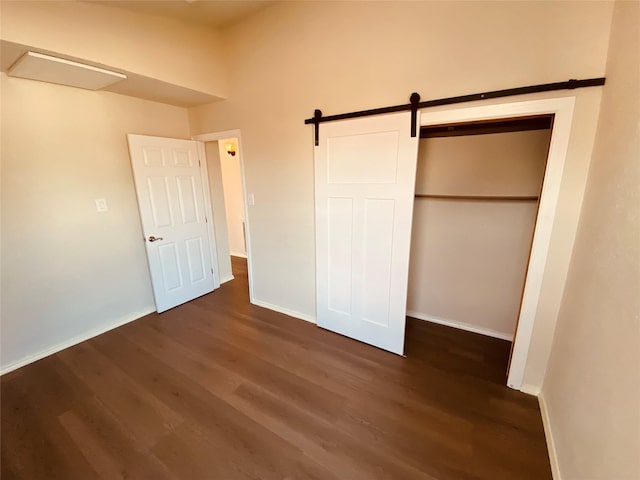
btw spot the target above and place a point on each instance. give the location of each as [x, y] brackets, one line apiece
[101, 205]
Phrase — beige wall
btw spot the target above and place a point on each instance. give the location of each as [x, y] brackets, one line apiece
[163, 49]
[592, 386]
[67, 270]
[216, 189]
[468, 258]
[233, 196]
[341, 56]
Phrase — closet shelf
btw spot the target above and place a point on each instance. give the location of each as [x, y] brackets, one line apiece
[490, 198]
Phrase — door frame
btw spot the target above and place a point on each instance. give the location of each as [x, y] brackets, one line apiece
[201, 139]
[562, 108]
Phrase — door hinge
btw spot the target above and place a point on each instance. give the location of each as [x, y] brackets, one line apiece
[206, 220]
[199, 164]
[212, 270]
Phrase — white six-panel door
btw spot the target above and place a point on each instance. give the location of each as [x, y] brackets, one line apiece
[170, 198]
[365, 172]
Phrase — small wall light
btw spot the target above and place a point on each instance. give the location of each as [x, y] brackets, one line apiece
[230, 150]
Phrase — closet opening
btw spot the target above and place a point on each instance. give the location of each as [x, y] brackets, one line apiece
[477, 194]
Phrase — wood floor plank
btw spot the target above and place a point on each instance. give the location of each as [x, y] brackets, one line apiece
[146, 416]
[34, 444]
[195, 372]
[243, 332]
[344, 451]
[107, 444]
[188, 452]
[239, 440]
[209, 375]
[222, 389]
[250, 367]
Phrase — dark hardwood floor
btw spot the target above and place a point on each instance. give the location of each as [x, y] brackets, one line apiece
[221, 389]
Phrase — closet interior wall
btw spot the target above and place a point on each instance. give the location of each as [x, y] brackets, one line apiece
[469, 256]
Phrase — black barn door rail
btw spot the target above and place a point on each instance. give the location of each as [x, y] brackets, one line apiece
[416, 104]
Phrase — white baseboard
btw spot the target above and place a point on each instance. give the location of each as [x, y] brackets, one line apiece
[548, 434]
[241, 255]
[226, 279]
[73, 341]
[529, 389]
[286, 311]
[461, 326]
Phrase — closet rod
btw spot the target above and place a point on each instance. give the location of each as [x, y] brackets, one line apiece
[493, 198]
[415, 104]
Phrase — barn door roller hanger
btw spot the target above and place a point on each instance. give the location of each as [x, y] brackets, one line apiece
[415, 103]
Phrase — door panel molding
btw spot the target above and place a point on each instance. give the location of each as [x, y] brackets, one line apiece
[170, 192]
[365, 172]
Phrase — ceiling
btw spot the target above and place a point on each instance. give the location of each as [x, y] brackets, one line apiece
[210, 13]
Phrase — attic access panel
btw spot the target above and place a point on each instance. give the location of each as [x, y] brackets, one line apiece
[45, 68]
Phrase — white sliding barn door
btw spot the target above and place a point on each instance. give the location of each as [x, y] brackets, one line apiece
[171, 201]
[365, 171]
